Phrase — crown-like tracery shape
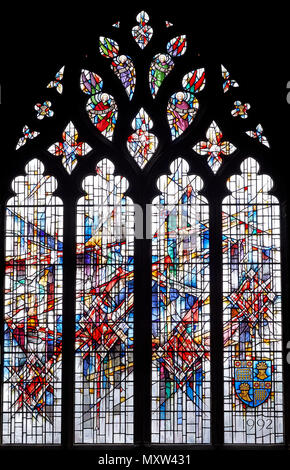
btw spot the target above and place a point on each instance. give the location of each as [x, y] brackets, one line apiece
[262, 366]
[142, 144]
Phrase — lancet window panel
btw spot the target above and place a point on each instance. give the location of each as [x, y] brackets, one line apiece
[180, 310]
[252, 310]
[104, 331]
[31, 412]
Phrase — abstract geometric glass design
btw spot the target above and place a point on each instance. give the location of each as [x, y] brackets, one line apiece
[214, 148]
[162, 64]
[142, 144]
[104, 310]
[31, 398]
[180, 310]
[122, 65]
[183, 105]
[258, 134]
[70, 148]
[142, 33]
[101, 107]
[252, 310]
[228, 82]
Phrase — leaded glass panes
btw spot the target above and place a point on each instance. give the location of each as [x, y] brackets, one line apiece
[57, 82]
[258, 134]
[142, 144]
[101, 107]
[162, 63]
[122, 65]
[180, 310]
[27, 134]
[142, 33]
[215, 148]
[31, 412]
[252, 310]
[104, 310]
[141, 111]
[70, 148]
[183, 105]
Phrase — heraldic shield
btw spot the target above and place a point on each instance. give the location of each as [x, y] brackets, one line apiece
[253, 381]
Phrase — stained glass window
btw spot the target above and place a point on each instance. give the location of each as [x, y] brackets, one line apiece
[104, 310]
[142, 144]
[214, 148]
[162, 63]
[228, 82]
[183, 105]
[70, 148]
[252, 310]
[258, 134]
[33, 311]
[101, 107]
[180, 310]
[27, 134]
[142, 33]
[57, 82]
[111, 338]
[122, 65]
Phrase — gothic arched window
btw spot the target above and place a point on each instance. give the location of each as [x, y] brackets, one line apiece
[143, 246]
